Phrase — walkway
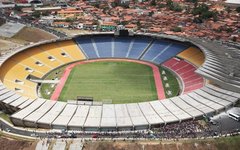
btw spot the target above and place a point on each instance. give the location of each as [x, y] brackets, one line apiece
[45, 81]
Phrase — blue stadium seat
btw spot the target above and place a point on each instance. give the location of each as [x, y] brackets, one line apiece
[156, 48]
[138, 46]
[86, 46]
[170, 52]
[104, 46]
[121, 46]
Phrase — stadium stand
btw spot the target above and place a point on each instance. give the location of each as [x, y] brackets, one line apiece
[208, 99]
[71, 49]
[54, 51]
[104, 46]
[193, 55]
[121, 46]
[161, 51]
[87, 47]
[37, 61]
[139, 45]
[186, 71]
[156, 51]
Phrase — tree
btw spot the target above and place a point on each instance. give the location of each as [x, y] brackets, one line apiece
[169, 3]
[228, 9]
[17, 8]
[177, 29]
[238, 9]
[204, 13]
[200, 9]
[153, 3]
[173, 6]
[161, 5]
[197, 20]
[192, 1]
[150, 14]
[70, 19]
[36, 14]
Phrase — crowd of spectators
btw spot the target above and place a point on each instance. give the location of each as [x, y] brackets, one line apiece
[187, 129]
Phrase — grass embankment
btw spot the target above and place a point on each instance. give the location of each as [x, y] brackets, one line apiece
[45, 87]
[5, 117]
[171, 80]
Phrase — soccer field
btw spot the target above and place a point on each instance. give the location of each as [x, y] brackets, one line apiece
[121, 82]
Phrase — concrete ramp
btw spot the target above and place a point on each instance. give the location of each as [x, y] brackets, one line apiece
[42, 145]
[76, 145]
[59, 145]
[10, 29]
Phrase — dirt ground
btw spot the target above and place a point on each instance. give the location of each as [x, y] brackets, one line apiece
[7, 44]
[146, 146]
[30, 34]
[72, 32]
[25, 36]
[209, 144]
[11, 144]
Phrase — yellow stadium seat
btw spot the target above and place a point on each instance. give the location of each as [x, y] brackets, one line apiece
[40, 55]
[55, 51]
[30, 62]
[24, 90]
[72, 50]
[193, 55]
[37, 61]
[13, 71]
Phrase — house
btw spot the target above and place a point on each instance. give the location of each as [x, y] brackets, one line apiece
[69, 12]
[132, 27]
[61, 24]
[108, 26]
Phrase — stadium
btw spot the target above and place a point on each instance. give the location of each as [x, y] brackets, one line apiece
[159, 79]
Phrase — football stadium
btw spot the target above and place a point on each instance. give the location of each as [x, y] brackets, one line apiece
[120, 81]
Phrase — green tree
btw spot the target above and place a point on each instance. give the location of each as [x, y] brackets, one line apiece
[204, 13]
[228, 9]
[70, 19]
[36, 14]
[150, 14]
[173, 6]
[177, 29]
[238, 9]
[17, 8]
[153, 3]
[169, 3]
[192, 1]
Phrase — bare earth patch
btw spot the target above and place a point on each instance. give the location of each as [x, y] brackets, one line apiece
[72, 32]
[33, 35]
[232, 143]
[6, 44]
[11, 144]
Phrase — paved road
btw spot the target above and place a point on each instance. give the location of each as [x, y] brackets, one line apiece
[225, 124]
[8, 128]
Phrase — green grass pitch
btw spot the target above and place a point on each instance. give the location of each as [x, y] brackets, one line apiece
[121, 82]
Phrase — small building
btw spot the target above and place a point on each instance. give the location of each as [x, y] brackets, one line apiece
[47, 9]
[61, 24]
[108, 26]
[132, 27]
[70, 12]
[233, 3]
